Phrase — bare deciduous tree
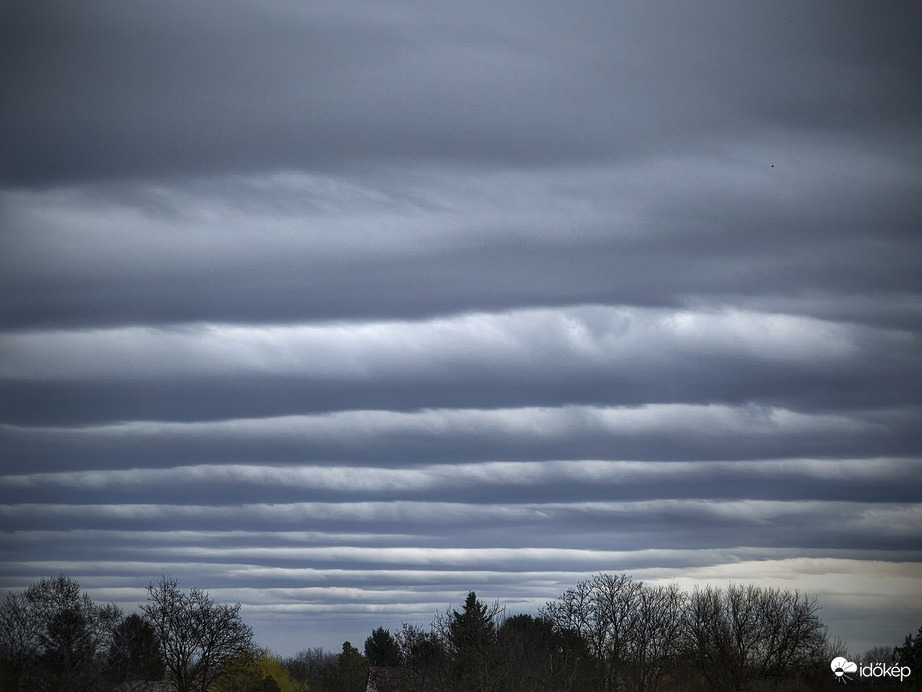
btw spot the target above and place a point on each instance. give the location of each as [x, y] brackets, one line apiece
[197, 636]
[655, 644]
[538, 656]
[575, 613]
[311, 666]
[632, 630]
[745, 633]
[424, 660]
[19, 631]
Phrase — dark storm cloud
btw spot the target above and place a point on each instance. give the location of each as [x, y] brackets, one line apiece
[838, 220]
[667, 431]
[105, 89]
[345, 310]
[591, 355]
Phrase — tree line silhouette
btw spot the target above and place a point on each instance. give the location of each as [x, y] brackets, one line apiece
[607, 633]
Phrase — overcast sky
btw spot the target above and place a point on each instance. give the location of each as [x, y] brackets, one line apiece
[343, 309]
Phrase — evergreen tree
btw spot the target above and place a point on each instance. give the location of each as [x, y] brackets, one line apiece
[910, 654]
[135, 651]
[350, 674]
[381, 649]
[476, 664]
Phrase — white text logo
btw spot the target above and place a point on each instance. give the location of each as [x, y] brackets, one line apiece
[842, 668]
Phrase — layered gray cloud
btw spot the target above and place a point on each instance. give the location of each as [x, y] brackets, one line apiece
[108, 90]
[343, 311]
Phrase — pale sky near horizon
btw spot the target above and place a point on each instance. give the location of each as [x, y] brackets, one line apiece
[344, 309]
